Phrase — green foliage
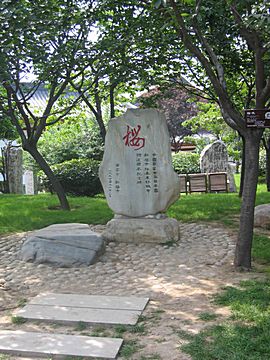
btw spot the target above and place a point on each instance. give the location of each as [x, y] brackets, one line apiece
[7, 129]
[186, 163]
[100, 331]
[129, 348]
[199, 142]
[74, 139]
[246, 336]
[185, 335]
[77, 176]
[21, 302]
[211, 120]
[18, 320]
[81, 326]
[207, 316]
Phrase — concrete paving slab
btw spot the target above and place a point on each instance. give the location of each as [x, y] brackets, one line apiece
[91, 301]
[75, 314]
[60, 346]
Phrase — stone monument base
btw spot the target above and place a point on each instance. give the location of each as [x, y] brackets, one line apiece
[141, 230]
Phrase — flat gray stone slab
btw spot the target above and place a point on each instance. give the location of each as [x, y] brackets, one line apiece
[78, 314]
[60, 346]
[91, 301]
[63, 245]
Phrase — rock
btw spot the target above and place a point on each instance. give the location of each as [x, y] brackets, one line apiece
[136, 170]
[214, 158]
[262, 216]
[30, 182]
[140, 230]
[15, 169]
[63, 245]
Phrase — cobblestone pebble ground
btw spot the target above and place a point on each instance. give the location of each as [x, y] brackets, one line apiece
[178, 278]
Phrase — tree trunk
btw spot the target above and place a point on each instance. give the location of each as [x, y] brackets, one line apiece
[102, 129]
[112, 106]
[5, 154]
[48, 171]
[98, 114]
[242, 258]
[243, 166]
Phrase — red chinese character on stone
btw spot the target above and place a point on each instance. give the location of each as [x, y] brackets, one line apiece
[132, 139]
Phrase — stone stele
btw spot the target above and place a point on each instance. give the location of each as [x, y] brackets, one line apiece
[15, 171]
[214, 158]
[136, 171]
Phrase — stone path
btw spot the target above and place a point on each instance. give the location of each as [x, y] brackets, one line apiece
[40, 344]
[179, 280]
[87, 309]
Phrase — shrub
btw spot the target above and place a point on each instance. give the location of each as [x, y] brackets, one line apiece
[71, 140]
[186, 163]
[78, 177]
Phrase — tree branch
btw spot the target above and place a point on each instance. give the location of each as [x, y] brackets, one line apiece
[224, 100]
[11, 95]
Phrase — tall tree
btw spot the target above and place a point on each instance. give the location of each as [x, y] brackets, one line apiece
[47, 40]
[229, 41]
[177, 105]
[223, 50]
[210, 119]
[120, 63]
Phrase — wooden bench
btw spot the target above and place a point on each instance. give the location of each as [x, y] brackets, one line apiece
[217, 182]
[197, 183]
[183, 183]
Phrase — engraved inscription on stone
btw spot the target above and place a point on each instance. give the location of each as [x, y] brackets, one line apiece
[136, 171]
[214, 158]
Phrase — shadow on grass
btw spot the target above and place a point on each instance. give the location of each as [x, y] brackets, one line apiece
[246, 335]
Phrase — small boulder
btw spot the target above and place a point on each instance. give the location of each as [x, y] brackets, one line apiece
[63, 245]
[262, 216]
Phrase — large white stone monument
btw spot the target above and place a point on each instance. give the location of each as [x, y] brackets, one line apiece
[214, 158]
[137, 176]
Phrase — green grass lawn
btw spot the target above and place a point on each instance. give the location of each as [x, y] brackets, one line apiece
[24, 212]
